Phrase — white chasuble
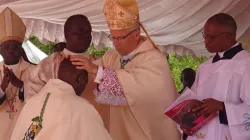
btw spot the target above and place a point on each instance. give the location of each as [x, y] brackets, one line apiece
[148, 87]
[66, 116]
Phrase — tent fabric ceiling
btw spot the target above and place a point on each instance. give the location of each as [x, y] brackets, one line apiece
[169, 22]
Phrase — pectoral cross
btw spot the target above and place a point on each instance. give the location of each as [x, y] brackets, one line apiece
[11, 110]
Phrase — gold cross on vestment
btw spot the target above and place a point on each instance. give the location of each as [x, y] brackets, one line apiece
[112, 24]
[121, 14]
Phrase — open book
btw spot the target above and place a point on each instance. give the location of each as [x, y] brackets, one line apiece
[181, 112]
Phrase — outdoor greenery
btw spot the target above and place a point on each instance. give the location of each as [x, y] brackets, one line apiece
[93, 51]
[46, 48]
[177, 64]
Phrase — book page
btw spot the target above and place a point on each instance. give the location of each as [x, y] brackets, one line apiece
[181, 111]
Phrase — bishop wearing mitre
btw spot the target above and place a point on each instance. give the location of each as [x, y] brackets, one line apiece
[14, 71]
[134, 83]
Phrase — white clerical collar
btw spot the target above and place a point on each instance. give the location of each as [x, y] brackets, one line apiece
[130, 55]
[68, 53]
[221, 54]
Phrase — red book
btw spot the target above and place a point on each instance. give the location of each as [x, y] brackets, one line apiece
[181, 112]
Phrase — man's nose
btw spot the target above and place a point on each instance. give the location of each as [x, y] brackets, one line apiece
[207, 40]
[115, 42]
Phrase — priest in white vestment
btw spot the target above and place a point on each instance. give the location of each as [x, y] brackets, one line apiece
[14, 71]
[223, 83]
[77, 31]
[57, 113]
[134, 80]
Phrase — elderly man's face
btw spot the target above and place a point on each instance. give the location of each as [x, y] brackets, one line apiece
[122, 40]
[11, 51]
[215, 37]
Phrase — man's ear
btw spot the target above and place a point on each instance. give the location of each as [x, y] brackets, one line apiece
[230, 36]
[85, 84]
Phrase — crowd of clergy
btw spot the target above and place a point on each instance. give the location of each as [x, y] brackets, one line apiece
[71, 95]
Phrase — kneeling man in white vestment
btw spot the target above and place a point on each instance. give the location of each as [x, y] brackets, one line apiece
[57, 113]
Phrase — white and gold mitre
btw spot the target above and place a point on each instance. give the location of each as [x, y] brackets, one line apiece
[121, 14]
[11, 26]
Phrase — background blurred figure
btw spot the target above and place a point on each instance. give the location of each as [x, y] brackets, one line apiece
[187, 78]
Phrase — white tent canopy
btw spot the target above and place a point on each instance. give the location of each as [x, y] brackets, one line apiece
[169, 22]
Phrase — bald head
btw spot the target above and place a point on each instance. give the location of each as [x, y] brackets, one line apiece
[76, 78]
[224, 20]
[220, 33]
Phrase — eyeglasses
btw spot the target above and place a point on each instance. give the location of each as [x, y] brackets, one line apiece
[120, 38]
[211, 37]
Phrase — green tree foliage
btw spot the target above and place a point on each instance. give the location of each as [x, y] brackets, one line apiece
[46, 48]
[93, 51]
[178, 64]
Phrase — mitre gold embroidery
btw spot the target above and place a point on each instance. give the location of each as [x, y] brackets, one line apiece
[117, 17]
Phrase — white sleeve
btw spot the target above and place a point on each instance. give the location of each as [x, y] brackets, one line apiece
[238, 115]
[99, 75]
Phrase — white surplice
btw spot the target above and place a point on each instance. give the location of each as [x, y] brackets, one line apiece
[66, 115]
[227, 81]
